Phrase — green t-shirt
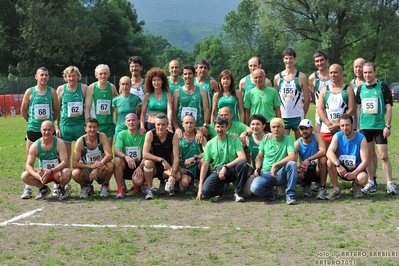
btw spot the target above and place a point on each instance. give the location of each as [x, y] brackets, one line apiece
[274, 151]
[72, 106]
[174, 86]
[236, 128]
[130, 145]
[40, 108]
[125, 105]
[222, 151]
[102, 100]
[262, 102]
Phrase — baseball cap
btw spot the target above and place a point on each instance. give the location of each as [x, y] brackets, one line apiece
[305, 123]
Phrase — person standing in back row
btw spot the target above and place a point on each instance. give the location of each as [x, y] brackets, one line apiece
[292, 87]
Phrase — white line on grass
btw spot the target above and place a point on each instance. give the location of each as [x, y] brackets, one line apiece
[22, 216]
[174, 227]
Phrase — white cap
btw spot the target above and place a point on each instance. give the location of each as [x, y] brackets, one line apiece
[305, 123]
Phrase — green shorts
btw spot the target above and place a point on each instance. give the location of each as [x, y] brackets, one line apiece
[72, 133]
[107, 129]
[292, 123]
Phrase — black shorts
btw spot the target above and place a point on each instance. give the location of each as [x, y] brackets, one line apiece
[347, 170]
[148, 126]
[160, 170]
[127, 172]
[33, 136]
[311, 176]
[377, 135]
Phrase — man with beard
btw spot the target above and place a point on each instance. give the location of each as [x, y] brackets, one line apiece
[347, 158]
[202, 80]
[312, 154]
[228, 159]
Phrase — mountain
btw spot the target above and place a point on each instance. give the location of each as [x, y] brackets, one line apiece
[183, 22]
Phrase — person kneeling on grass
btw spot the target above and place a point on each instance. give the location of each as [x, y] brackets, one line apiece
[53, 163]
[128, 156]
[277, 157]
[347, 158]
[229, 164]
[92, 160]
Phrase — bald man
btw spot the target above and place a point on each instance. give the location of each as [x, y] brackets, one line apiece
[247, 83]
[262, 99]
[53, 163]
[334, 100]
[175, 80]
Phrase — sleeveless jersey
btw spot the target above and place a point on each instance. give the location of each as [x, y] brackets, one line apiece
[40, 108]
[349, 150]
[188, 150]
[165, 149]
[125, 105]
[175, 86]
[138, 91]
[248, 84]
[319, 84]
[290, 94]
[157, 106]
[253, 149]
[372, 108]
[307, 150]
[207, 86]
[88, 156]
[231, 102]
[48, 159]
[190, 104]
[102, 100]
[72, 111]
[335, 104]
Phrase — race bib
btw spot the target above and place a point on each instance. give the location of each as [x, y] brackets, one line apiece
[349, 161]
[42, 111]
[49, 164]
[288, 91]
[334, 114]
[188, 110]
[103, 107]
[370, 105]
[92, 157]
[75, 109]
[134, 152]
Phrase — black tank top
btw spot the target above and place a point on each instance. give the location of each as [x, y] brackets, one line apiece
[165, 149]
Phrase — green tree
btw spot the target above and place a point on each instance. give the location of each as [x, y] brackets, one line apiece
[216, 52]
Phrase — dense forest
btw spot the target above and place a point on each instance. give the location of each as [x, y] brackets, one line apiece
[85, 33]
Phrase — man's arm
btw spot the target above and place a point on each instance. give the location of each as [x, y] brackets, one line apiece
[176, 95]
[277, 110]
[364, 156]
[276, 81]
[147, 155]
[214, 106]
[30, 161]
[303, 81]
[214, 85]
[388, 112]
[176, 154]
[203, 172]
[240, 158]
[114, 91]
[311, 87]
[107, 149]
[331, 156]
[88, 100]
[205, 105]
[351, 101]
[170, 107]
[60, 89]
[290, 157]
[61, 149]
[241, 85]
[320, 107]
[269, 83]
[240, 106]
[56, 105]
[76, 156]
[25, 104]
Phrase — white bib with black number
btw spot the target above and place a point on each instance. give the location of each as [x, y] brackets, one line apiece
[103, 107]
[42, 111]
[134, 152]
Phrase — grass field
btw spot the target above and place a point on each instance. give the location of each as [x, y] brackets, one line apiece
[182, 231]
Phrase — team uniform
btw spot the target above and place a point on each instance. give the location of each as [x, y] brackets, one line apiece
[188, 150]
[349, 151]
[372, 100]
[290, 95]
[190, 104]
[125, 105]
[319, 84]
[253, 149]
[102, 107]
[163, 150]
[207, 86]
[157, 106]
[235, 128]
[40, 108]
[262, 102]
[132, 146]
[48, 159]
[335, 104]
[72, 118]
[88, 156]
[354, 88]
[175, 86]
[306, 151]
[231, 102]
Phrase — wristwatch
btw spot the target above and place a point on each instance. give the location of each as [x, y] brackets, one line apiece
[205, 125]
[162, 159]
[388, 126]
[337, 163]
